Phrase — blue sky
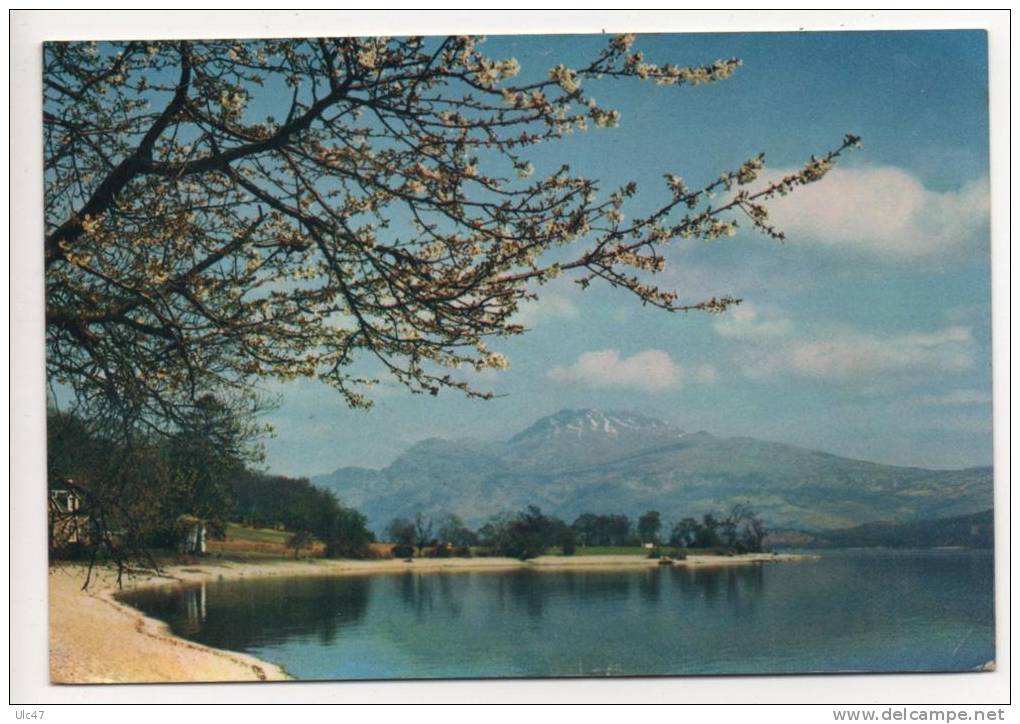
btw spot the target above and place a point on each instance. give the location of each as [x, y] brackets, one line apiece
[867, 333]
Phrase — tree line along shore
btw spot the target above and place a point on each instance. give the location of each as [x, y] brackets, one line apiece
[202, 497]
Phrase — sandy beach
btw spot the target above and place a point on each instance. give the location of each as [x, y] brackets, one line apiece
[96, 639]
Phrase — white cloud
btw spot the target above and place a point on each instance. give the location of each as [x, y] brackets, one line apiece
[651, 370]
[704, 374]
[886, 211]
[948, 349]
[746, 321]
[548, 306]
[850, 354]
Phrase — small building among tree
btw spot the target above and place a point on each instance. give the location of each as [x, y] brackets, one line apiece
[67, 522]
[191, 535]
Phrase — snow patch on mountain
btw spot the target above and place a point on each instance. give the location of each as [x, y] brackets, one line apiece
[588, 422]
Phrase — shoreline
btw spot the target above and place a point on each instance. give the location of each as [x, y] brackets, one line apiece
[97, 639]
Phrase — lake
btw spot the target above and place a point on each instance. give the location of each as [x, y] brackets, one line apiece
[863, 610]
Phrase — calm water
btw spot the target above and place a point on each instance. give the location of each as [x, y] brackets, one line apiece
[849, 611]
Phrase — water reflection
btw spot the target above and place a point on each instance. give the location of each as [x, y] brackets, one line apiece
[194, 609]
[864, 611]
[738, 587]
[650, 585]
[239, 615]
[424, 593]
[247, 614]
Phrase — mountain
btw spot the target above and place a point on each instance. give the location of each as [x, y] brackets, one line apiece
[578, 461]
[572, 438]
[974, 530]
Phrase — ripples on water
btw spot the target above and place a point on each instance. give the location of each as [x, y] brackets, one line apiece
[849, 611]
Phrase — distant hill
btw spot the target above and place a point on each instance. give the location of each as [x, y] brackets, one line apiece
[975, 530]
[621, 462]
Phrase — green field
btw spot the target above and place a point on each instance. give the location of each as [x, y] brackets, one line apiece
[246, 543]
[611, 551]
[482, 551]
[256, 535]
